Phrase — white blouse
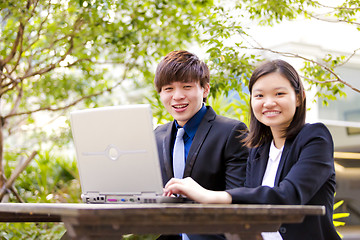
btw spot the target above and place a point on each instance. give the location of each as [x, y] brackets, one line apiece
[272, 165]
[269, 180]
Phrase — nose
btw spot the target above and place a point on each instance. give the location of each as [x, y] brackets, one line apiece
[269, 103]
[178, 94]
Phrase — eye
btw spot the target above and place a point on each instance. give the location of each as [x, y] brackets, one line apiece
[167, 88]
[280, 93]
[258, 95]
[187, 86]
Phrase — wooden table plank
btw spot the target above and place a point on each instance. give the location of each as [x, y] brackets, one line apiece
[113, 220]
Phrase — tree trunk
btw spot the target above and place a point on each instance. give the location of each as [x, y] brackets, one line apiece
[1, 153]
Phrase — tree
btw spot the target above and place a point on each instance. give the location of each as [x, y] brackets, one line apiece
[56, 54]
[233, 60]
[232, 52]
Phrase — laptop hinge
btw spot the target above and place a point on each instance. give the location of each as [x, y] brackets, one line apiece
[148, 194]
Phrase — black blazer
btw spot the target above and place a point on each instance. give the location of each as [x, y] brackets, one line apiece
[306, 176]
[216, 159]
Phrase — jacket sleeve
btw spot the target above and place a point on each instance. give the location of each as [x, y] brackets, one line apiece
[236, 155]
[308, 166]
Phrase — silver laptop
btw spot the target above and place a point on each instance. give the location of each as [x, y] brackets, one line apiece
[117, 155]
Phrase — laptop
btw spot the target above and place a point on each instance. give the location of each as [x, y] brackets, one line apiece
[117, 155]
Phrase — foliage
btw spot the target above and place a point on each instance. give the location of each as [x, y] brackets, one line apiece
[140, 237]
[38, 231]
[49, 178]
[339, 215]
[55, 55]
[233, 52]
[230, 106]
[326, 83]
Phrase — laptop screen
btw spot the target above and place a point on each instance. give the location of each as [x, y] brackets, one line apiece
[116, 150]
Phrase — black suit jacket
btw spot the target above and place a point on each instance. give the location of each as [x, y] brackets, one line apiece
[305, 176]
[216, 159]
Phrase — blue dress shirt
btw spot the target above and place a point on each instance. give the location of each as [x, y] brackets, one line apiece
[190, 129]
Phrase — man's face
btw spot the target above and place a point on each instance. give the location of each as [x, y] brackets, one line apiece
[183, 100]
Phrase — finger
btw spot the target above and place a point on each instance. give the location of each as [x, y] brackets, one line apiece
[166, 192]
[176, 188]
[172, 181]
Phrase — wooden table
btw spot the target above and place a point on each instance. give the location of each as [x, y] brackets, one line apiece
[111, 221]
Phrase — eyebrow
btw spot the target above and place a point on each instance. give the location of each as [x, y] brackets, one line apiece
[259, 89]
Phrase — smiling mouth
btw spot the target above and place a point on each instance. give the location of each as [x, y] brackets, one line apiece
[180, 106]
[271, 113]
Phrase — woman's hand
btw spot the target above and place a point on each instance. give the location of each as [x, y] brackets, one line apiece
[191, 189]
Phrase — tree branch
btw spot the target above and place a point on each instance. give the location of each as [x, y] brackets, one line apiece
[19, 35]
[7, 76]
[293, 55]
[22, 37]
[332, 21]
[15, 174]
[317, 81]
[18, 41]
[19, 56]
[77, 25]
[29, 59]
[50, 47]
[65, 107]
[52, 65]
[15, 124]
[70, 104]
[14, 82]
[332, 13]
[348, 59]
[40, 28]
[4, 18]
[336, 8]
[9, 85]
[14, 191]
[17, 195]
[16, 103]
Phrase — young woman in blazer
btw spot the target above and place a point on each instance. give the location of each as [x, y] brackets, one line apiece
[290, 162]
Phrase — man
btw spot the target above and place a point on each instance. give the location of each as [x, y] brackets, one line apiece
[213, 154]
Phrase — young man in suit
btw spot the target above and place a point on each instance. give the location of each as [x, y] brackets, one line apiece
[214, 154]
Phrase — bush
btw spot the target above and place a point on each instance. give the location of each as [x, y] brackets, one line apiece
[47, 179]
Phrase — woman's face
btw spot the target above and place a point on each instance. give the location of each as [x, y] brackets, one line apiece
[274, 101]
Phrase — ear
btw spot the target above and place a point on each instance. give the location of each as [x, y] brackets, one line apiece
[206, 90]
[298, 98]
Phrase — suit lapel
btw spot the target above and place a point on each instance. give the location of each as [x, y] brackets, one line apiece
[282, 162]
[166, 152]
[198, 140]
[260, 163]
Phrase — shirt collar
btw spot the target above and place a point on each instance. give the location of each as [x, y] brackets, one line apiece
[275, 153]
[192, 125]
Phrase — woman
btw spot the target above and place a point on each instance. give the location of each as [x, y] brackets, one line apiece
[290, 162]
